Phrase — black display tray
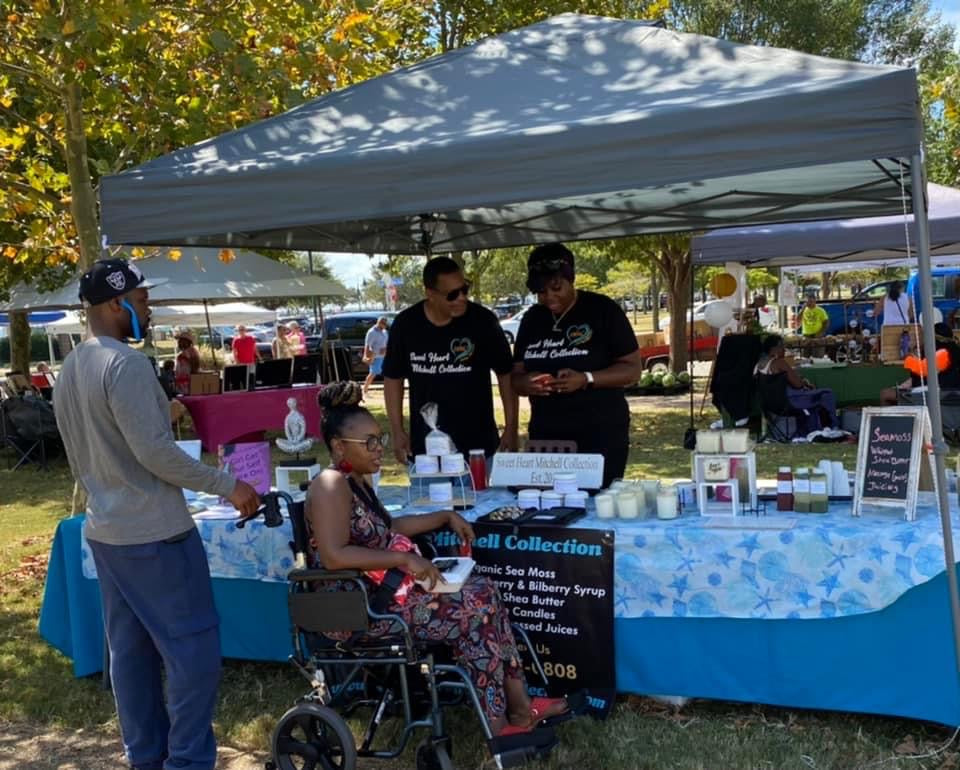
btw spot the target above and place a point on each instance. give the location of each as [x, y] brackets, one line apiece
[551, 517]
[772, 496]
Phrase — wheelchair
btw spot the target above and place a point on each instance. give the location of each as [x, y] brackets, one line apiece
[394, 675]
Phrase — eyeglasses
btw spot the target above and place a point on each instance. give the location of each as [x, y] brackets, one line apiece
[451, 296]
[370, 442]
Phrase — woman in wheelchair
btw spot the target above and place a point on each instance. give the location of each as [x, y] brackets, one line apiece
[350, 529]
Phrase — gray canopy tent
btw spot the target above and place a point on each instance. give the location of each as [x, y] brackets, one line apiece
[574, 128]
[200, 276]
[826, 244]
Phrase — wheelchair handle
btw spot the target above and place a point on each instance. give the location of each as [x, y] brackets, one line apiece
[272, 516]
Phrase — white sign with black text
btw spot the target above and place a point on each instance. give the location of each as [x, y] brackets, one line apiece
[536, 469]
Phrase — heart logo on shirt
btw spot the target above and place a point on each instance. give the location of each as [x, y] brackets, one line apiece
[579, 335]
[462, 349]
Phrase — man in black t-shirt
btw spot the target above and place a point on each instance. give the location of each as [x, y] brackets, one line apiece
[445, 346]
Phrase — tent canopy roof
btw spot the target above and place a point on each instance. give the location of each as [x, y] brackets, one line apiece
[199, 275]
[226, 314]
[578, 127]
[822, 244]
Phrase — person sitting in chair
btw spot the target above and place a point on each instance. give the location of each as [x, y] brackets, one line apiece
[947, 362]
[350, 529]
[818, 406]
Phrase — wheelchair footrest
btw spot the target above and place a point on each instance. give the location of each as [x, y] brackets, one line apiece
[518, 749]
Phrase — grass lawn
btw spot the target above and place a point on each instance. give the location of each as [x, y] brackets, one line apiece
[37, 685]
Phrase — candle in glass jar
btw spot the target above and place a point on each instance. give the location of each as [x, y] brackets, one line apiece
[650, 489]
[627, 507]
[667, 503]
[605, 506]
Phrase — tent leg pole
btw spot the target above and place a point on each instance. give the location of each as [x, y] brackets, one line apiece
[213, 347]
[917, 182]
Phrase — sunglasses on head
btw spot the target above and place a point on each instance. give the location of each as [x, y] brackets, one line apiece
[451, 296]
[548, 266]
[370, 442]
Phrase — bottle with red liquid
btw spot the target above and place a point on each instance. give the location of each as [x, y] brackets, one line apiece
[478, 469]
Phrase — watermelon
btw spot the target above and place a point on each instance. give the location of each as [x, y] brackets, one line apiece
[658, 379]
[683, 378]
[646, 379]
[669, 380]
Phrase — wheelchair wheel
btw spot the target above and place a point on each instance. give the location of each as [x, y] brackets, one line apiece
[434, 755]
[311, 736]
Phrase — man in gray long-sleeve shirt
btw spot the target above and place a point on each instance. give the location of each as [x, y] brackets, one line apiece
[154, 580]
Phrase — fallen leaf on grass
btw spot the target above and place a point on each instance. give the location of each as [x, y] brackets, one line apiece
[907, 746]
[951, 761]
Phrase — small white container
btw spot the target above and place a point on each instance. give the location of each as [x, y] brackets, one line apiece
[564, 483]
[618, 485]
[550, 499]
[441, 492]
[650, 489]
[452, 463]
[426, 464]
[438, 445]
[576, 499]
[736, 441]
[627, 507]
[606, 506]
[667, 503]
[708, 441]
[528, 498]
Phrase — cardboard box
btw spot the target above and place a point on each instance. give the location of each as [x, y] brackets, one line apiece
[204, 384]
[890, 341]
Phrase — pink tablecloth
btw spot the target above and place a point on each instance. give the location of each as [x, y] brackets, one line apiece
[225, 417]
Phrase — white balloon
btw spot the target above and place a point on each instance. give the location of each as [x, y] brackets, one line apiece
[718, 314]
[937, 316]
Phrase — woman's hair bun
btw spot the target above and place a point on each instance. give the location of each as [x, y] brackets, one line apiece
[340, 394]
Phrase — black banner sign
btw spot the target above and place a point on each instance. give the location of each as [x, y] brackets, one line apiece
[558, 584]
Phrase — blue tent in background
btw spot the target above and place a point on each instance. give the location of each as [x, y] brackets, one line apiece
[36, 319]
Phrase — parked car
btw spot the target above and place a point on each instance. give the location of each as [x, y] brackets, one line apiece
[511, 325]
[506, 311]
[858, 312]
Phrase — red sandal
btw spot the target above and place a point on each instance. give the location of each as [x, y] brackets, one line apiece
[548, 708]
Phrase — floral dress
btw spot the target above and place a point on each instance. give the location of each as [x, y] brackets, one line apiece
[472, 621]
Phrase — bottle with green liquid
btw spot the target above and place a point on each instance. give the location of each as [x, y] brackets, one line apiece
[819, 500]
[801, 490]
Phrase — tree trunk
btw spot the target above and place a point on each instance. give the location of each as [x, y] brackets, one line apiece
[655, 290]
[20, 342]
[83, 207]
[675, 263]
[826, 283]
[83, 202]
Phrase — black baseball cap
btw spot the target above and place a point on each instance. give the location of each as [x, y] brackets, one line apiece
[546, 262]
[109, 278]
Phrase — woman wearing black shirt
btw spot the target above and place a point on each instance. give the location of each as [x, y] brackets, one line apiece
[574, 354]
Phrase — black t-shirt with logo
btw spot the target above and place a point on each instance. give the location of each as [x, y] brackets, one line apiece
[450, 365]
[591, 336]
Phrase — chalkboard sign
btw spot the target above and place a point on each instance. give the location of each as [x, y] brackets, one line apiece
[891, 449]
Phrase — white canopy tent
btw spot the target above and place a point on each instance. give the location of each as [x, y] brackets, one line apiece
[574, 128]
[227, 314]
[198, 276]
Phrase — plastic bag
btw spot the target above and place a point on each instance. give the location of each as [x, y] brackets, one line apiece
[437, 442]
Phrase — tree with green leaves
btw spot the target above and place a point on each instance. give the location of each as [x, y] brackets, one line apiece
[93, 87]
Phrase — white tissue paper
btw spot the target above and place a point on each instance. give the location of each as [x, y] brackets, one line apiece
[437, 442]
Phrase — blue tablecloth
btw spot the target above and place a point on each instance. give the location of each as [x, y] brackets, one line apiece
[897, 660]
[785, 566]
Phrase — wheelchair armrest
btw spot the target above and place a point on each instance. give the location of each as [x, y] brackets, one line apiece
[301, 575]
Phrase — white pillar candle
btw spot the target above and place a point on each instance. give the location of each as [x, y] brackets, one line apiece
[605, 506]
[627, 505]
[667, 503]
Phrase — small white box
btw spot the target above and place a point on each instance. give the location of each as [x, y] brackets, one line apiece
[289, 477]
[454, 577]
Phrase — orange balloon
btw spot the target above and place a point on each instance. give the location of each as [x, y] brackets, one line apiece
[723, 285]
[920, 367]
